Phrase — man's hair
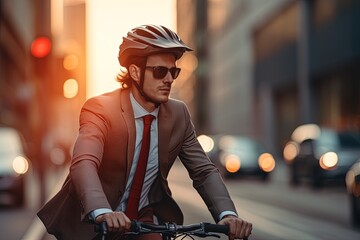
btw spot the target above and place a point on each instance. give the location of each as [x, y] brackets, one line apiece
[124, 78]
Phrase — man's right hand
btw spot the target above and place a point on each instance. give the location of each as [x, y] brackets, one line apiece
[116, 221]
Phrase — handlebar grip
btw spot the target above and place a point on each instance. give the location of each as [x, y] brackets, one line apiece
[216, 228]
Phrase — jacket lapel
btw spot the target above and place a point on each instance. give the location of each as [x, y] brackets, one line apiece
[128, 115]
[164, 128]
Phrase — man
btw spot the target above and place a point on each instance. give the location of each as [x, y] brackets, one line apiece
[108, 149]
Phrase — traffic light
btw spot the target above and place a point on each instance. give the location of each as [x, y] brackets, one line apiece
[41, 47]
[40, 51]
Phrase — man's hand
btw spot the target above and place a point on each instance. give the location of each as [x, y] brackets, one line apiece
[116, 221]
[238, 228]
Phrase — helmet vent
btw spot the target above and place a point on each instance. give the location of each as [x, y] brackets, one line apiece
[173, 36]
[154, 30]
[144, 33]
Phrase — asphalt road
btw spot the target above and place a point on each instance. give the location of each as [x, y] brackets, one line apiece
[276, 210]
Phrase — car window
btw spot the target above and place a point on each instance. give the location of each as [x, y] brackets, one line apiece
[349, 140]
[328, 138]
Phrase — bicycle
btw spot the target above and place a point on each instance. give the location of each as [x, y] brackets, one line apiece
[172, 231]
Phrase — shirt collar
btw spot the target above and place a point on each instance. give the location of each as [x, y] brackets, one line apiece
[139, 111]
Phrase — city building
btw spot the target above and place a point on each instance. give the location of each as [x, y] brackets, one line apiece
[273, 65]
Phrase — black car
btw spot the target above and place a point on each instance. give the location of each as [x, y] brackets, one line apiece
[353, 188]
[237, 155]
[320, 154]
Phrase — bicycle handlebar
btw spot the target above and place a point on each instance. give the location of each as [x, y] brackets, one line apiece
[202, 229]
[198, 228]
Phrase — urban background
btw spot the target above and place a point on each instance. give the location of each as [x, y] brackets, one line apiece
[265, 67]
[259, 68]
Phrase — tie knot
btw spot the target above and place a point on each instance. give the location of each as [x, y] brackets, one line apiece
[148, 119]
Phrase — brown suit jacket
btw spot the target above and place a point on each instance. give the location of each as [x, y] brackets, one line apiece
[102, 158]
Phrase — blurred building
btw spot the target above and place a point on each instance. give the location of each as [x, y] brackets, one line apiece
[41, 48]
[42, 75]
[17, 90]
[272, 65]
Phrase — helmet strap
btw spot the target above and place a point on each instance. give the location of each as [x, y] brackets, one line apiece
[140, 87]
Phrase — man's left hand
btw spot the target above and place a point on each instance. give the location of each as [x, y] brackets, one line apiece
[238, 228]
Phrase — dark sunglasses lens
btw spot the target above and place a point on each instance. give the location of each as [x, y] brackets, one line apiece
[160, 72]
[174, 72]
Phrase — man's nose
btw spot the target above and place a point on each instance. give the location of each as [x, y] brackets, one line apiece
[168, 78]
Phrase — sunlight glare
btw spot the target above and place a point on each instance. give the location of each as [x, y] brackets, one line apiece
[107, 23]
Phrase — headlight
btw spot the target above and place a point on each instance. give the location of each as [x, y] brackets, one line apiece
[232, 163]
[20, 165]
[291, 150]
[328, 160]
[266, 162]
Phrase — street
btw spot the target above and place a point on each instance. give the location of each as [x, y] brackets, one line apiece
[276, 210]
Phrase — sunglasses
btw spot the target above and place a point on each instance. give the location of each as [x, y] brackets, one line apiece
[159, 72]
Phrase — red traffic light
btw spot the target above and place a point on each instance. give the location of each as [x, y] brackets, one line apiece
[41, 47]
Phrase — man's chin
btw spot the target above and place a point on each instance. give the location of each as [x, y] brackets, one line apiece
[162, 100]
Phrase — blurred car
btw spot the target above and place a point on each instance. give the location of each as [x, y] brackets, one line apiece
[13, 166]
[353, 188]
[238, 155]
[320, 154]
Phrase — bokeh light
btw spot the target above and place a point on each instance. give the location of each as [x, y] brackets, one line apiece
[206, 142]
[20, 165]
[71, 88]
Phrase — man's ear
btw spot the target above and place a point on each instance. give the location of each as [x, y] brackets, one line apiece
[134, 72]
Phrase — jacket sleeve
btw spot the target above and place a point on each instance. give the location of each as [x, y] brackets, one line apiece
[206, 177]
[87, 155]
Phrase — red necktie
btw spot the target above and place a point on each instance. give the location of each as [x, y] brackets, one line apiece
[136, 187]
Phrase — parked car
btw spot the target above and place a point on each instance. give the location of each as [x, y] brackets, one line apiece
[320, 154]
[238, 155]
[353, 188]
[13, 166]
